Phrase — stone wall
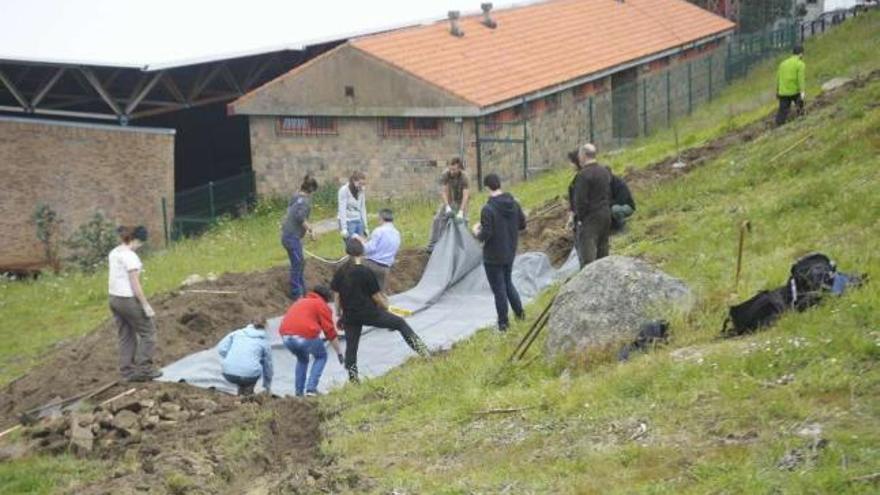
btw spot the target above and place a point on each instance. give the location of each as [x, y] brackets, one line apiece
[78, 169]
[556, 125]
[395, 166]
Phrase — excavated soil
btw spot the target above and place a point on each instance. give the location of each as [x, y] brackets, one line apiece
[187, 321]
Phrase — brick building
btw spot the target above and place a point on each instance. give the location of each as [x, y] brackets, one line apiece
[78, 169]
[511, 91]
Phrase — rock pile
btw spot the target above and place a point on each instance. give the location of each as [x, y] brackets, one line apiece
[120, 423]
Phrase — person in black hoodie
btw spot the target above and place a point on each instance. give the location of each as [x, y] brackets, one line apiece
[622, 203]
[500, 222]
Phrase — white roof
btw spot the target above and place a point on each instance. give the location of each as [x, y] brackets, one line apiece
[157, 34]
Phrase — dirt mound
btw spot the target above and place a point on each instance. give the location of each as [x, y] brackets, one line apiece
[546, 231]
[189, 319]
[180, 439]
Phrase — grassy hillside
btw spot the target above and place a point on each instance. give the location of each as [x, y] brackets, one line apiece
[36, 315]
[700, 416]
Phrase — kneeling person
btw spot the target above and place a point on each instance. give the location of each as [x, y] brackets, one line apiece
[622, 203]
[246, 356]
[362, 303]
[301, 330]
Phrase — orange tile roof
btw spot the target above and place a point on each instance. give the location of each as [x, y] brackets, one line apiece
[540, 45]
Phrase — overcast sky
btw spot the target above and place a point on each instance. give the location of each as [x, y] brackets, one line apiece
[142, 32]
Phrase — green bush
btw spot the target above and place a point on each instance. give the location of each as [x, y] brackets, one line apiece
[91, 242]
[47, 224]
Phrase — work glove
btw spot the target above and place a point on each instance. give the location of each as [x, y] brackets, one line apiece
[803, 95]
[448, 210]
[569, 224]
[477, 229]
[149, 311]
[459, 215]
[341, 359]
[344, 233]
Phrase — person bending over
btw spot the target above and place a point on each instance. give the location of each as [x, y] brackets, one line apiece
[301, 330]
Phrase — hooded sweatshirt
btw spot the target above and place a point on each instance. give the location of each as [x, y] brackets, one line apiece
[247, 353]
[500, 222]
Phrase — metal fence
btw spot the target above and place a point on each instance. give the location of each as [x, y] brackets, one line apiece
[627, 107]
[197, 208]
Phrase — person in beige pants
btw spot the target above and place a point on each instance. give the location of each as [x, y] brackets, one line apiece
[130, 308]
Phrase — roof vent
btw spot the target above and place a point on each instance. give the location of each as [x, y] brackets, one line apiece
[454, 29]
[487, 18]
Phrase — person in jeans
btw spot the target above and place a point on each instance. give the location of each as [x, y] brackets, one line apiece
[247, 355]
[362, 303]
[500, 222]
[352, 206]
[294, 228]
[455, 194]
[133, 314]
[381, 249]
[791, 84]
[301, 330]
[591, 200]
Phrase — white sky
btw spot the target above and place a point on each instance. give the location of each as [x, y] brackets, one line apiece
[158, 32]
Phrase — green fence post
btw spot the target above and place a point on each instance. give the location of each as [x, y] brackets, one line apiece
[728, 61]
[592, 134]
[165, 219]
[668, 102]
[211, 198]
[479, 150]
[709, 63]
[525, 149]
[690, 88]
[645, 107]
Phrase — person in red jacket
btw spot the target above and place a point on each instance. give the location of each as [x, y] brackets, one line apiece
[301, 330]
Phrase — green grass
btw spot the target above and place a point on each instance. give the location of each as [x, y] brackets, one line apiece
[45, 475]
[715, 423]
[36, 315]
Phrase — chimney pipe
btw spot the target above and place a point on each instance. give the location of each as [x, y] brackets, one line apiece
[487, 18]
[454, 29]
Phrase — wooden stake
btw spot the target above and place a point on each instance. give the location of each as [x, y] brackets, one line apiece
[9, 430]
[123, 394]
[786, 150]
[744, 227]
[503, 410]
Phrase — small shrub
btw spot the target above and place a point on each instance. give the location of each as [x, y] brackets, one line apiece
[325, 196]
[47, 224]
[91, 242]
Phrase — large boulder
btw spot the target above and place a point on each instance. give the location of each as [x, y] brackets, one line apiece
[604, 305]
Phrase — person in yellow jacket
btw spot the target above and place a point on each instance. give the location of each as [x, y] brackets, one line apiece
[790, 86]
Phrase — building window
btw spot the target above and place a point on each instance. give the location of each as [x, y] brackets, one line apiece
[307, 126]
[411, 127]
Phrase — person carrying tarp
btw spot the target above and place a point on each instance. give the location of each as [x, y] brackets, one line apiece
[300, 331]
[247, 355]
[790, 84]
[361, 303]
[500, 222]
[455, 194]
[591, 203]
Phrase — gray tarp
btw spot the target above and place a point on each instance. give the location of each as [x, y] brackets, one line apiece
[451, 301]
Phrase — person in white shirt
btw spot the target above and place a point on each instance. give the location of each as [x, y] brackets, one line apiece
[130, 308]
[381, 249]
[352, 206]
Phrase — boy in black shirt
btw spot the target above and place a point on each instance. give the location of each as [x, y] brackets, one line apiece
[361, 302]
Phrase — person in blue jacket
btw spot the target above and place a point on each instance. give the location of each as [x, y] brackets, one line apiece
[247, 355]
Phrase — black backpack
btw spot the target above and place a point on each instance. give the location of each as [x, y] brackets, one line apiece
[761, 310]
[811, 277]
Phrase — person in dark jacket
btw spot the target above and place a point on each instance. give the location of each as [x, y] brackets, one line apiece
[361, 302]
[500, 222]
[622, 203]
[591, 200]
[294, 228]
